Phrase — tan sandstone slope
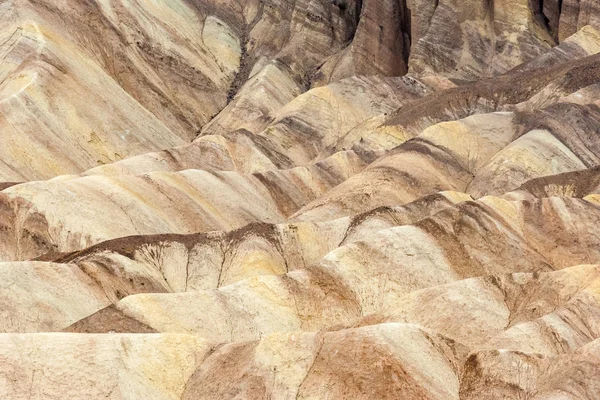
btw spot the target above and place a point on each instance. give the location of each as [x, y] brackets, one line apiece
[309, 199]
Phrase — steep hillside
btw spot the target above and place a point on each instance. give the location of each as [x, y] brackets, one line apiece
[275, 199]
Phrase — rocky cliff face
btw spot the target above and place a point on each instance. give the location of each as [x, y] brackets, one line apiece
[309, 199]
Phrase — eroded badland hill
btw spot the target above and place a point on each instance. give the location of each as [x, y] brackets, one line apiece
[299, 199]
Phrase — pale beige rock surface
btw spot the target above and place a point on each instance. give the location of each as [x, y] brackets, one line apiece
[310, 199]
[118, 366]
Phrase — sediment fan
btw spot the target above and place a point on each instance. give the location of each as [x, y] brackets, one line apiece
[324, 199]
